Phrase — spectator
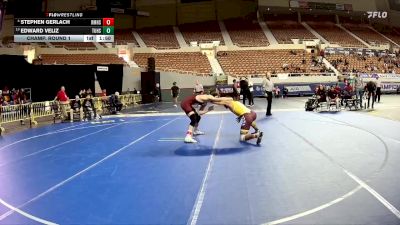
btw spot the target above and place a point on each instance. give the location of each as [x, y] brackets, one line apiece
[103, 93]
[175, 93]
[333, 95]
[321, 93]
[198, 88]
[268, 87]
[285, 92]
[82, 93]
[115, 103]
[89, 92]
[359, 85]
[378, 90]
[347, 92]
[135, 91]
[76, 107]
[15, 97]
[277, 92]
[22, 96]
[88, 108]
[6, 95]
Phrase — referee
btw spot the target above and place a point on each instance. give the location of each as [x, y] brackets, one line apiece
[268, 87]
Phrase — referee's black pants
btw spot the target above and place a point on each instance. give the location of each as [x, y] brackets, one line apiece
[269, 102]
[378, 95]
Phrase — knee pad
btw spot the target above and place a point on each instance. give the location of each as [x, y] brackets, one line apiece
[193, 120]
[198, 118]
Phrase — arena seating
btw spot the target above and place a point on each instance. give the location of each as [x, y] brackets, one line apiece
[286, 30]
[334, 34]
[79, 59]
[125, 36]
[365, 33]
[182, 61]
[366, 64]
[246, 33]
[159, 37]
[392, 35]
[75, 45]
[204, 32]
[263, 61]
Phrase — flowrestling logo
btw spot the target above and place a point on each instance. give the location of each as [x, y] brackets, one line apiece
[380, 15]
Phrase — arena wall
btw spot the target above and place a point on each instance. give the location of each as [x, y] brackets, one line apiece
[67, 6]
[364, 5]
[160, 15]
[196, 12]
[233, 8]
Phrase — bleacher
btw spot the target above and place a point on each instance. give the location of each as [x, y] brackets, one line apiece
[286, 30]
[365, 33]
[204, 32]
[75, 45]
[159, 37]
[365, 64]
[244, 63]
[54, 59]
[194, 62]
[392, 34]
[246, 33]
[334, 34]
[125, 36]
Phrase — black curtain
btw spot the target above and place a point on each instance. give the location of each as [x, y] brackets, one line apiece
[45, 80]
[13, 72]
[111, 80]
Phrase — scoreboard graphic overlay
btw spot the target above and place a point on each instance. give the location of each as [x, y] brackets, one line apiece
[64, 27]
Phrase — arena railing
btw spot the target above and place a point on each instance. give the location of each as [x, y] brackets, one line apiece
[33, 111]
[14, 113]
[276, 75]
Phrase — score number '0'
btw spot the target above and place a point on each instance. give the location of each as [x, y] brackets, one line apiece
[108, 21]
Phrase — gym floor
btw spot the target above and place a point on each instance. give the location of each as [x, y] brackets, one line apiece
[311, 168]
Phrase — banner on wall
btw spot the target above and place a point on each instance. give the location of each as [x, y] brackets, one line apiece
[390, 87]
[381, 75]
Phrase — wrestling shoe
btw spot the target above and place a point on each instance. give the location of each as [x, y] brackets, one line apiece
[189, 139]
[259, 138]
[198, 132]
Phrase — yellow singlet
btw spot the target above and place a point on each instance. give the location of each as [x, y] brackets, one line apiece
[239, 109]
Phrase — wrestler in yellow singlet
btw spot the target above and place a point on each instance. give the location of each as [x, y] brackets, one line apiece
[249, 117]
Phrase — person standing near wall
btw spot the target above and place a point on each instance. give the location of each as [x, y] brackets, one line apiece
[250, 93]
[359, 85]
[157, 93]
[175, 94]
[378, 90]
[268, 88]
[244, 89]
[198, 88]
